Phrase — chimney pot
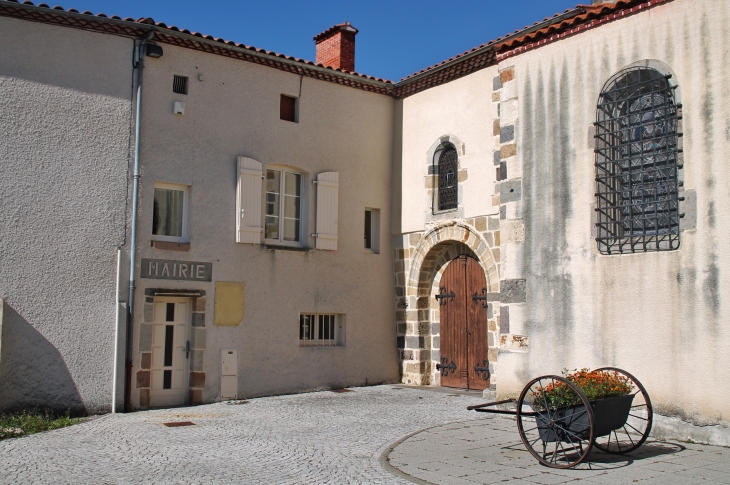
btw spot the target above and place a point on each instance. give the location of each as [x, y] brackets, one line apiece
[336, 47]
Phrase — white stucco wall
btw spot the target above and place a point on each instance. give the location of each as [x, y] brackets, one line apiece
[462, 108]
[234, 112]
[661, 316]
[65, 118]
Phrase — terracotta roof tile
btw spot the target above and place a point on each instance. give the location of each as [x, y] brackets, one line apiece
[571, 20]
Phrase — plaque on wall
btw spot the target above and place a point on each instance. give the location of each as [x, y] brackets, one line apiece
[165, 269]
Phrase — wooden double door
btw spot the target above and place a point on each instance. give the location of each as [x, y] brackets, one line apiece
[463, 312]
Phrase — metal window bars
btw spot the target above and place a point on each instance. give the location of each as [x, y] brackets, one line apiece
[637, 162]
[448, 192]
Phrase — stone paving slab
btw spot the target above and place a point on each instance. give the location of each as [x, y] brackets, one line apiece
[489, 451]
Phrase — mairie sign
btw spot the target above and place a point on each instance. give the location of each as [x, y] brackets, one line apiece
[164, 269]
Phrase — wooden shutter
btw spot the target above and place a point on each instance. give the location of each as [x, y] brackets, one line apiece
[327, 189]
[248, 201]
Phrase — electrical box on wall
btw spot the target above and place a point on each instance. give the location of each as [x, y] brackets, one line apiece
[178, 108]
[229, 374]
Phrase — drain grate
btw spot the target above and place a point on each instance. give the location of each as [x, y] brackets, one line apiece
[341, 390]
[179, 423]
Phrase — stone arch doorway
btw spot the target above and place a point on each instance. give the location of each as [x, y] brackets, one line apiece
[418, 309]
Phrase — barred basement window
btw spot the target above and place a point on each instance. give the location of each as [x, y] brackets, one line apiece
[637, 154]
[324, 330]
[180, 85]
[448, 190]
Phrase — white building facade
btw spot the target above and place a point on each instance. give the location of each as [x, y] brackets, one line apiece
[565, 182]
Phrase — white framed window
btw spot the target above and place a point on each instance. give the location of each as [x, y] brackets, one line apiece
[321, 330]
[170, 212]
[283, 207]
[372, 230]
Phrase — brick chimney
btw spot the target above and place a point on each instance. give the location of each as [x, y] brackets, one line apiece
[336, 47]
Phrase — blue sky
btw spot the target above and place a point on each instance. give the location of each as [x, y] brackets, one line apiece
[397, 37]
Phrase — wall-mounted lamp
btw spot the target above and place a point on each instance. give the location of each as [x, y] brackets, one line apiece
[153, 50]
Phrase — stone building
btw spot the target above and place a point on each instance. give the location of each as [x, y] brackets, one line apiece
[565, 180]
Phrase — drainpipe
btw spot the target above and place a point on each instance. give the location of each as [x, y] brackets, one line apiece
[116, 332]
[133, 239]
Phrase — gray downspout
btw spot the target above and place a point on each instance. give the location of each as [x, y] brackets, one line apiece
[133, 239]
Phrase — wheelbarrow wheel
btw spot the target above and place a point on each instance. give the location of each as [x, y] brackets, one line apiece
[637, 427]
[558, 434]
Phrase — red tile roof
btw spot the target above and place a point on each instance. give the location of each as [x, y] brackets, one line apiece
[561, 25]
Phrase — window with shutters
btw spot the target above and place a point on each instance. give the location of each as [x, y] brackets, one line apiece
[170, 212]
[637, 160]
[321, 330]
[283, 206]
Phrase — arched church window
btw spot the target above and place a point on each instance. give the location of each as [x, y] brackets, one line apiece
[637, 153]
[448, 192]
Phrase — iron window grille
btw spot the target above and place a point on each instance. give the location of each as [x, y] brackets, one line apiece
[447, 172]
[323, 330]
[637, 163]
[180, 85]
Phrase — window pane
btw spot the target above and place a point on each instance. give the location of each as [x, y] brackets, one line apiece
[292, 183]
[305, 324]
[167, 219]
[273, 181]
[272, 227]
[291, 229]
[272, 204]
[291, 207]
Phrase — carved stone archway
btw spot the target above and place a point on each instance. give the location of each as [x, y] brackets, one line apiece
[418, 313]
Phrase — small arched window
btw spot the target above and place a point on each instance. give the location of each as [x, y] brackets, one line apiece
[448, 168]
[636, 163]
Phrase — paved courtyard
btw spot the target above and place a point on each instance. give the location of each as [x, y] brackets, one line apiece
[378, 435]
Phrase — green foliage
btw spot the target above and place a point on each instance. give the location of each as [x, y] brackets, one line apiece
[25, 422]
[594, 384]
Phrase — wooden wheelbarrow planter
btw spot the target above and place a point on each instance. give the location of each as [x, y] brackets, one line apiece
[563, 437]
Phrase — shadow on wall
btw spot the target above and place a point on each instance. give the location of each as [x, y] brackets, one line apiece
[32, 371]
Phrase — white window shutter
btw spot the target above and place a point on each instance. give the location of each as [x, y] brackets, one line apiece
[327, 190]
[248, 201]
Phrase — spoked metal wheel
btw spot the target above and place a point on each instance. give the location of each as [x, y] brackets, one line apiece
[559, 436]
[637, 427]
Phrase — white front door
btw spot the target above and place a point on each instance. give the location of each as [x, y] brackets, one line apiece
[170, 354]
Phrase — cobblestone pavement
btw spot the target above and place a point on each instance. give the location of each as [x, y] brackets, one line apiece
[489, 451]
[326, 438]
[314, 438]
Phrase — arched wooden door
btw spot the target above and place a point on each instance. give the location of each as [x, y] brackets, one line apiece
[463, 314]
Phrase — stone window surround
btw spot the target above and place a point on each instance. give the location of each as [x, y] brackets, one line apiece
[432, 156]
[196, 378]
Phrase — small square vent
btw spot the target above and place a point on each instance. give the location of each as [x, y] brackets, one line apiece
[180, 85]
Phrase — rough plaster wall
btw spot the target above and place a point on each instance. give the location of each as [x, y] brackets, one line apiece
[65, 129]
[462, 108]
[235, 112]
[661, 316]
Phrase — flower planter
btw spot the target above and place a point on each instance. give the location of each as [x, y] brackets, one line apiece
[572, 423]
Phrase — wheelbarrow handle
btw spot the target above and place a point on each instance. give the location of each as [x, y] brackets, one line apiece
[486, 405]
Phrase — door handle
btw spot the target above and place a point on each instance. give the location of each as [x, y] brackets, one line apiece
[187, 349]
